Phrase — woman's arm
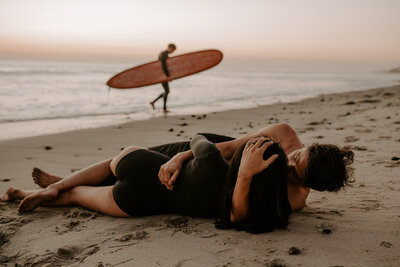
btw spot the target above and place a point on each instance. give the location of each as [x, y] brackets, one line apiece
[251, 163]
[170, 170]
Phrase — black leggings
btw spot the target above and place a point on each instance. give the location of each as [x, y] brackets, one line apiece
[138, 191]
[171, 150]
[197, 189]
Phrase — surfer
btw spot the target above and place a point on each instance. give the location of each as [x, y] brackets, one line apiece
[184, 168]
[163, 58]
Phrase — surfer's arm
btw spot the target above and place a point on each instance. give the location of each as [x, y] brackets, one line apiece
[163, 59]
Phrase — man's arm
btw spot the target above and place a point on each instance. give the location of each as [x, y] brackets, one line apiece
[163, 59]
[297, 196]
[282, 133]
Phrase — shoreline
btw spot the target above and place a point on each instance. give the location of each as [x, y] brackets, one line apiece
[362, 220]
[154, 115]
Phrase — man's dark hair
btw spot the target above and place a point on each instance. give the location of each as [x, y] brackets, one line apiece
[328, 167]
[171, 45]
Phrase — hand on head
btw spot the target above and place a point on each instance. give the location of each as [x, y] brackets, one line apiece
[252, 161]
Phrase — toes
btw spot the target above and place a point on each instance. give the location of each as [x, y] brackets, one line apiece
[36, 172]
[24, 205]
[21, 206]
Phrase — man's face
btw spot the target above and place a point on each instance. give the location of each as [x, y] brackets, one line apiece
[170, 50]
[297, 161]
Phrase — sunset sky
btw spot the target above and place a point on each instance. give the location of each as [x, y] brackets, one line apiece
[340, 30]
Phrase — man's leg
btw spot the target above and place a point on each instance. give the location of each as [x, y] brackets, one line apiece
[155, 100]
[165, 96]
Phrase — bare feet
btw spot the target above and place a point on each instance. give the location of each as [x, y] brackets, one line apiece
[33, 201]
[152, 105]
[13, 194]
[43, 179]
[166, 110]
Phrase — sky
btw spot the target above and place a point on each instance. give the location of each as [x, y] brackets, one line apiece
[320, 30]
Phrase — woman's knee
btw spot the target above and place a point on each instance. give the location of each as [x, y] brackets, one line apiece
[123, 153]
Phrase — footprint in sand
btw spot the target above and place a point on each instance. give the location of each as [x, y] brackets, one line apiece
[140, 235]
[386, 244]
[9, 226]
[392, 164]
[359, 148]
[71, 226]
[368, 204]
[5, 237]
[369, 101]
[63, 256]
[276, 263]
[351, 139]
[178, 224]
[79, 214]
[223, 251]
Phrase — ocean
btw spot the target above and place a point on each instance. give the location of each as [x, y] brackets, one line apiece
[42, 97]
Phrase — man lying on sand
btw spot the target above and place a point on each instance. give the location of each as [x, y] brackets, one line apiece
[262, 188]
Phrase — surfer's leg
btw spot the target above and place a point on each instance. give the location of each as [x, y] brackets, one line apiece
[155, 100]
[165, 95]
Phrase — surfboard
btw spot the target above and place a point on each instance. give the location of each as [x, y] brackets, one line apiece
[178, 67]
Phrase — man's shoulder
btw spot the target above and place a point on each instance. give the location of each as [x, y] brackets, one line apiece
[163, 53]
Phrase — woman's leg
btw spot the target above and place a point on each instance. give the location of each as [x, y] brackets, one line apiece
[44, 179]
[99, 199]
[91, 175]
[16, 194]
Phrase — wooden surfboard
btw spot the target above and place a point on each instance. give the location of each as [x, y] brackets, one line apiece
[178, 67]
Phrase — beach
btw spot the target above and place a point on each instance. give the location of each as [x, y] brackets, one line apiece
[358, 226]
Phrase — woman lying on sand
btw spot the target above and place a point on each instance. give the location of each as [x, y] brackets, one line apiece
[258, 194]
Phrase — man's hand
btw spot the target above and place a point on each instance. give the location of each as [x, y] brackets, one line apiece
[169, 171]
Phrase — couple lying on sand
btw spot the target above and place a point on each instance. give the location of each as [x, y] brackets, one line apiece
[252, 183]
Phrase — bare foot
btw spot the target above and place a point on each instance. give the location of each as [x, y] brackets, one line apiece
[43, 179]
[166, 110]
[13, 194]
[33, 201]
[152, 105]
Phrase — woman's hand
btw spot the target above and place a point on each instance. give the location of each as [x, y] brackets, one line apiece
[169, 171]
[252, 161]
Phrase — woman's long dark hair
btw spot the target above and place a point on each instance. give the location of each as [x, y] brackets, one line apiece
[268, 198]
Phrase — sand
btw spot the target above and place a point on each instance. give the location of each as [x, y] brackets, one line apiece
[359, 226]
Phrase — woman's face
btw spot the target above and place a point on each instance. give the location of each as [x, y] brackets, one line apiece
[297, 161]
